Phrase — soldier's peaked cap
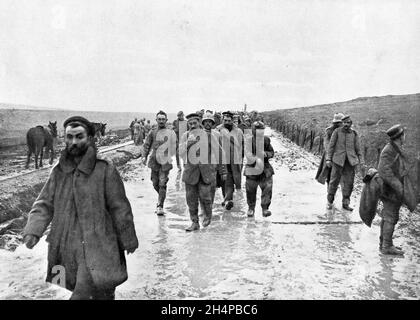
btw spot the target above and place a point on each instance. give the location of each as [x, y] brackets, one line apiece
[228, 114]
[193, 115]
[81, 121]
[395, 131]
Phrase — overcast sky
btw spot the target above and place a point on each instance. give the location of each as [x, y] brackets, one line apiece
[143, 55]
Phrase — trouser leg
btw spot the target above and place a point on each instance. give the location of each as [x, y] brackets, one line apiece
[229, 187]
[154, 176]
[205, 196]
[163, 180]
[213, 192]
[266, 186]
[336, 172]
[251, 186]
[348, 182]
[192, 193]
[390, 216]
[177, 155]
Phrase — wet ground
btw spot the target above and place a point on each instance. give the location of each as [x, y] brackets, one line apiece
[302, 251]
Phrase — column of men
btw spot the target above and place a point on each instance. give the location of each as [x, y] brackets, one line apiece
[213, 156]
[91, 220]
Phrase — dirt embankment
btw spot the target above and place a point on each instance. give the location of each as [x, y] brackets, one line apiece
[18, 194]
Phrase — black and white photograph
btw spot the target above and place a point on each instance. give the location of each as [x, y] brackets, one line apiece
[228, 152]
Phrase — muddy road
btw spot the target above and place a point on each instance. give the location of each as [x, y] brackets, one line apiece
[302, 251]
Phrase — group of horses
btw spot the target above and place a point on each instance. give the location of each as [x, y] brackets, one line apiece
[42, 137]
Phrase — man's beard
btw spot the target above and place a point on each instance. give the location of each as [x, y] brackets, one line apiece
[229, 126]
[76, 151]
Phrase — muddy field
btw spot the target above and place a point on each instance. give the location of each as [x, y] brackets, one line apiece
[302, 251]
[14, 123]
[13, 158]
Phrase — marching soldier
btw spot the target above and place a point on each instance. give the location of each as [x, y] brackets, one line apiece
[232, 144]
[324, 173]
[343, 155]
[199, 150]
[258, 170]
[208, 123]
[161, 142]
[180, 126]
[390, 169]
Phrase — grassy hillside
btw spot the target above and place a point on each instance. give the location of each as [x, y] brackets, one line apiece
[14, 123]
[372, 116]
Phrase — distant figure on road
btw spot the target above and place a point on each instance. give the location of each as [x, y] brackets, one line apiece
[178, 123]
[138, 133]
[324, 173]
[343, 155]
[161, 143]
[91, 219]
[262, 177]
[147, 128]
[246, 124]
[390, 169]
[132, 128]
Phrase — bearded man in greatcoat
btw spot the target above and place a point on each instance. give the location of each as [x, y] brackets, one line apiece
[91, 219]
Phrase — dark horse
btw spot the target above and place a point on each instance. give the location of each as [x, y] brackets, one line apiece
[99, 129]
[37, 139]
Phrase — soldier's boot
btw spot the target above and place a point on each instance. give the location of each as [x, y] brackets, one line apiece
[330, 201]
[194, 226]
[207, 215]
[251, 212]
[229, 205]
[387, 245]
[346, 203]
[266, 213]
[159, 211]
[206, 221]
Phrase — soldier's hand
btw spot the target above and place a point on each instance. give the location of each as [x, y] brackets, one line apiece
[130, 250]
[30, 240]
[329, 163]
